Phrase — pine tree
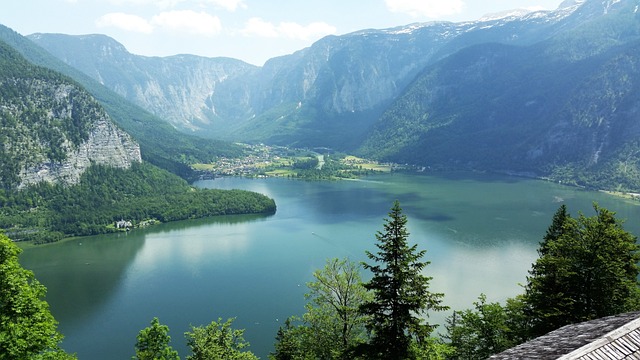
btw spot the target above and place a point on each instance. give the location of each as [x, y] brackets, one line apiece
[401, 293]
[546, 298]
[587, 269]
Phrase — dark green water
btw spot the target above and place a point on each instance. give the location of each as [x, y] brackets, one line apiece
[480, 232]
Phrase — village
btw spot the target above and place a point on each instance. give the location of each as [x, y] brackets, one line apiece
[266, 160]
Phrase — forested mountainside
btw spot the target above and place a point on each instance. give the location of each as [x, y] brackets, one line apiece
[67, 169]
[544, 93]
[51, 129]
[151, 132]
[326, 95]
[566, 107]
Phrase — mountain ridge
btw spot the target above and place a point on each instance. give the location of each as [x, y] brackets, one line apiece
[148, 130]
[380, 93]
[568, 111]
[330, 82]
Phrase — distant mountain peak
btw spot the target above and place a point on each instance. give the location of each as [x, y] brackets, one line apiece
[571, 3]
[505, 14]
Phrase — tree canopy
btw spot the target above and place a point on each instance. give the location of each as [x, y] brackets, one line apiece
[588, 268]
[400, 293]
[153, 343]
[27, 328]
[218, 340]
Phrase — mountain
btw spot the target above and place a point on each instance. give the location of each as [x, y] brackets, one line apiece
[68, 170]
[565, 107]
[544, 93]
[52, 130]
[151, 132]
[326, 95]
[177, 88]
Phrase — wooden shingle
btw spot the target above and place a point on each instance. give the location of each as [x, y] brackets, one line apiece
[611, 337]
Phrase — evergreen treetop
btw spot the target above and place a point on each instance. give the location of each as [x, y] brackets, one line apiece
[400, 290]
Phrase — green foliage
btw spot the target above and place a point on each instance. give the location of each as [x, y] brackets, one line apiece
[401, 293]
[333, 315]
[306, 163]
[587, 269]
[333, 325]
[217, 341]
[479, 333]
[27, 328]
[291, 342]
[46, 212]
[153, 343]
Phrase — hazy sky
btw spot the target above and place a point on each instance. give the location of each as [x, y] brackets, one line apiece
[249, 30]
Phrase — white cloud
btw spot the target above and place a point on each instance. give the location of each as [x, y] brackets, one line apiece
[231, 5]
[189, 21]
[313, 30]
[258, 27]
[163, 4]
[425, 8]
[126, 22]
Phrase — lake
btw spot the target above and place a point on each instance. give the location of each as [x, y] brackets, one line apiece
[480, 231]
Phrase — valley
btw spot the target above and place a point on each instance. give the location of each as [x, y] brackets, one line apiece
[549, 93]
[239, 169]
[280, 161]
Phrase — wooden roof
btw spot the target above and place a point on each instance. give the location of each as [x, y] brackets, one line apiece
[611, 337]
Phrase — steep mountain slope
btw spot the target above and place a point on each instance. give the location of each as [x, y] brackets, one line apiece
[177, 88]
[161, 144]
[566, 107]
[547, 93]
[51, 129]
[326, 95]
[66, 169]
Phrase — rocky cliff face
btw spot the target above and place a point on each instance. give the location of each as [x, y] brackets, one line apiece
[106, 145]
[51, 129]
[176, 88]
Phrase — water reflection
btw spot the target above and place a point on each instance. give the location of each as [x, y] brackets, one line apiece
[480, 233]
[81, 275]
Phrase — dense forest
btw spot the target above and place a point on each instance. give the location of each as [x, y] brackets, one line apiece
[47, 212]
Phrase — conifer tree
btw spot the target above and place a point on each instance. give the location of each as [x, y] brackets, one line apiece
[587, 269]
[546, 297]
[401, 293]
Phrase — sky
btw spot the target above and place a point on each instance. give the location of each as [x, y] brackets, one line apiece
[250, 30]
